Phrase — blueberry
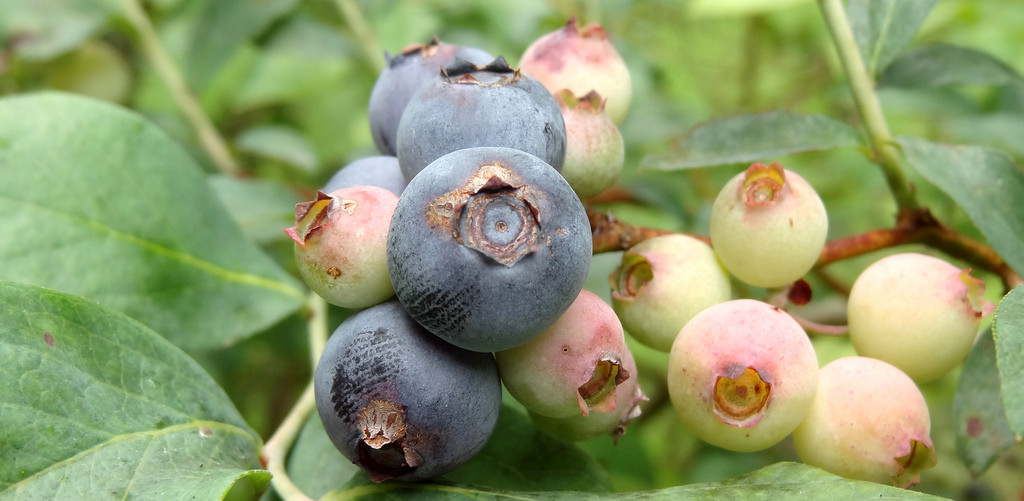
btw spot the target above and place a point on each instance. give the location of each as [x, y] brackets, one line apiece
[470, 106]
[381, 171]
[401, 403]
[488, 247]
[402, 77]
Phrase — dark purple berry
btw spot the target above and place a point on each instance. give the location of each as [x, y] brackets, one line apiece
[488, 247]
[470, 106]
[401, 403]
[402, 77]
[381, 171]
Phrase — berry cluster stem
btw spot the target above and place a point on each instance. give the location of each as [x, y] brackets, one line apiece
[917, 226]
[275, 451]
[883, 153]
[610, 234]
[208, 135]
[921, 226]
[362, 32]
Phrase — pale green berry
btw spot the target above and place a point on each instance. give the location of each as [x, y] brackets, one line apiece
[742, 375]
[868, 421]
[917, 312]
[594, 151]
[662, 283]
[768, 226]
[340, 241]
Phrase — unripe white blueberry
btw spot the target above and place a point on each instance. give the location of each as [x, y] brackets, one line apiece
[340, 241]
[768, 226]
[581, 60]
[578, 427]
[868, 421]
[917, 312]
[662, 283]
[594, 150]
[742, 375]
[574, 366]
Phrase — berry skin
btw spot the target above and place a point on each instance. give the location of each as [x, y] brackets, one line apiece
[742, 375]
[381, 171]
[471, 106]
[402, 76]
[868, 421]
[581, 60]
[574, 367]
[917, 312]
[401, 403]
[340, 242]
[662, 283]
[579, 427]
[768, 226]
[488, 247]
[594, 152]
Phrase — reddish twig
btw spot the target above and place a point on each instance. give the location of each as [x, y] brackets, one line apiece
[612, 235]
[912, 226]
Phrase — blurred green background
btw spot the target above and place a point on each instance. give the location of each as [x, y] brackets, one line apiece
[287, 82]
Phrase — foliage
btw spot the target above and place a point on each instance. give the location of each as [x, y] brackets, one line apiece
[153, 333]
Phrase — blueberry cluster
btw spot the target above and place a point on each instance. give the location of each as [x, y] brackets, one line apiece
[465, 245]
[462, 240]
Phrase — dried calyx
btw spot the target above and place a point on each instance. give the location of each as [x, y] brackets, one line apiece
[492, 214]
[313, 215]
[629, 279]
[739, 401]
[384, 449]
[598, 393]
[762, 185]
[493, 74]
[591, 101]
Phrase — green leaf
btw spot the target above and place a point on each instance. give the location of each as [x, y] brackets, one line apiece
[778, 482]
[222, 28]
[753, 138]
[314, 464]
[982, 432]
[98, 202]
[280, 143]
[939, 64]
[521, 457]
[517, 457]
[94, 405]
[984, 182]
[1008, 332]
[44, 29]
[262, 207]
[999, 130]
[883, 27]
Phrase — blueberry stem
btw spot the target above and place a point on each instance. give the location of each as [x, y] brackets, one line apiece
[361, 32]
[207, 133]
[863, 88]
[276, 449]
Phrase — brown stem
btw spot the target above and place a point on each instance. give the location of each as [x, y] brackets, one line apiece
[920, 226]
[912, 226]
[612, 235]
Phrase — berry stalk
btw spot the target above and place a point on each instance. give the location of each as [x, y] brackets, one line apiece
[610, 234]
[918, 226]
[209, 137]
[883, 153]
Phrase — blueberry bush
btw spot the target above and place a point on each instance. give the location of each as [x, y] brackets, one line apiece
[164, 199]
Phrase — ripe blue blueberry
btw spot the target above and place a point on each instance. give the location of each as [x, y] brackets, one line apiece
[488, 247]
[402, 77]
[470, 105]
[381, 171]
[401, 403]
